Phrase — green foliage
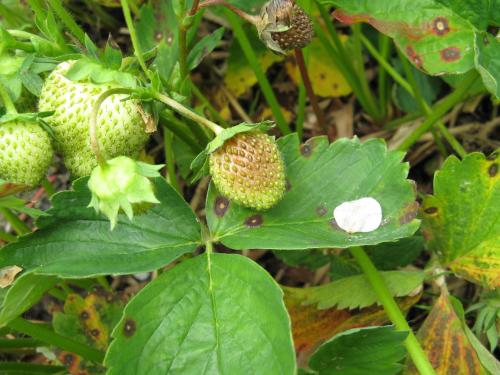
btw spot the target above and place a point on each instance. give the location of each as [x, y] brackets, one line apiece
[320, 177]
[438, 36]
[76, 242]
[360, 351]
[460, 220]
[201, 313]
[24, 293]
[340, 294]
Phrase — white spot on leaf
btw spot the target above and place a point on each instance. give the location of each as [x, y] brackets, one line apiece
[361, 215]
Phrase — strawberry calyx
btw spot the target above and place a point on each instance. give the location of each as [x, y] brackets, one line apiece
[119, 184]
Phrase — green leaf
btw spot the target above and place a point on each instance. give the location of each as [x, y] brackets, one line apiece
[20, 368]
[460, 221]
[391, 255]
[74, 241]
[312, 259]
[19, 206]
[112, 57]
[214, 314]
[361, 351]
[340, 293]
[321, 177]
[204, 47]
[24, 293]
[487, 50]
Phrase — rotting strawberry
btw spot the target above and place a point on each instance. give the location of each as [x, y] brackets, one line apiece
[284, 26]
[249, 170]
[25, 152]
[120, 126]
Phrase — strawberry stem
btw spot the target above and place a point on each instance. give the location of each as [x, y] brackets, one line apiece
[94, 141]
[320, 116]
[188, 113]
[7, 101]
[247, 17]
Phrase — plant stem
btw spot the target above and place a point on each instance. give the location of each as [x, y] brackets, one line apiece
[182, 43]
[194, 8]
[7, 101]
[385, 50]
[437, 112]
[176, 106]
[29, 368]
[247, 17]
[43, 333]
[133, 37]
[94, 141]
[68, 20]
[19, 226]
[393, 311]
[320, 116]
[259, 73]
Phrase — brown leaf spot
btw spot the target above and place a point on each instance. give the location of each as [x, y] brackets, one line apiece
[431, 210]
[486, 41]
[288, 185]
[95, 332]
[84, 315]
[440, 26]
[450, 54]
[321, 210]
[254, 221]
[67, 359]
[306, 150]
[493, 170]
[410, 213]
[129, 328]
[221, 206]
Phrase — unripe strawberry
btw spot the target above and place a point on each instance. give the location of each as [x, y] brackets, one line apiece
[284, 26]
[249, 170]
[25, 152]
[120, 127]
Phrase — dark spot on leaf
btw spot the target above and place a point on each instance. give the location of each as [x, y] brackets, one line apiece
[254, 221]
[306, 150]
[335, 86]
[440, 26]
[221, 206]
[322, 76]
[410, 213]
[450, 54]
[412, 55]
[68, 359]
[426, 235]
[129, 327]
[493, 170]
[288, 185]
[321, 210]
[431, 210]
[486, 41]
[334, 224]
[417, 60]
[95, 332]
[84, 315]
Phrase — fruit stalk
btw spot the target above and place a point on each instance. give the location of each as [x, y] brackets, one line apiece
[247, 17]
[188, 113]
[392, 310]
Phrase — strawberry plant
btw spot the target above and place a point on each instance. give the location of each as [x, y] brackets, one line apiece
[266, 187]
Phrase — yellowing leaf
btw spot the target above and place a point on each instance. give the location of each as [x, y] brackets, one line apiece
[326, 79]
[446, 343]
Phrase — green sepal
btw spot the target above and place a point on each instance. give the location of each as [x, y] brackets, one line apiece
[92, 70]
[37, 117]
[199, 166]
[119, 183]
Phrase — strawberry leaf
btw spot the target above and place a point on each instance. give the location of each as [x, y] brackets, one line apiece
[460, 221]
[320, 178]
[370, 350]
[199, 322]
[74, 241]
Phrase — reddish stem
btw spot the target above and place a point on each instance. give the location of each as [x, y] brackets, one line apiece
[320, 116]
[247, 17]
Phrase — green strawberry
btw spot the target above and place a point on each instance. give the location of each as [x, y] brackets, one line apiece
[120, 127]
[25, 152]
[249, 170]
